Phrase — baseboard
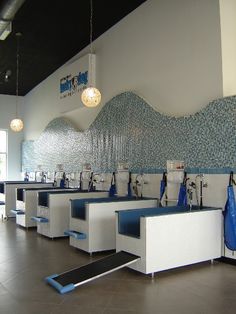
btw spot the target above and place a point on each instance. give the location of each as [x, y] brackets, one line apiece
[227, 260]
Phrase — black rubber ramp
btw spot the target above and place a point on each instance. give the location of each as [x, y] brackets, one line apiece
[67, 281]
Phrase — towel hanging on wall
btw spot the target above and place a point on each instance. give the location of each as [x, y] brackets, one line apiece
[182, 198]
[112, 190]
[163, 186]
[230, 216]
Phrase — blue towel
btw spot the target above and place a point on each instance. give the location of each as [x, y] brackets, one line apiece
[162, 188]
[182, 198]
[163, 185]
[62, 183]
[230, 220]
[113, 191]
[129, 186]
[129, 190]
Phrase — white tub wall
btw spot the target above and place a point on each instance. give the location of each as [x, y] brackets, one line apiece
[58, 212]
[192, 237]
[82, 226]
[203, 230]
[7, 113]
[99, 225]
[106, 239]
[132, 245]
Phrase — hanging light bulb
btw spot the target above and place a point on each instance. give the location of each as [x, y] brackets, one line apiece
[17, 124]
[91, 96]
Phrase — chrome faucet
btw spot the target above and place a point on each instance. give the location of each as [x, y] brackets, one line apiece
[202, 185]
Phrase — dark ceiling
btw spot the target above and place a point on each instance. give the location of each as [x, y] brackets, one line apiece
[53, 31]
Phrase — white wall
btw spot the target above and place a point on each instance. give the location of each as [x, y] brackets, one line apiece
[7, 113]
[168, 52]
[228, 41]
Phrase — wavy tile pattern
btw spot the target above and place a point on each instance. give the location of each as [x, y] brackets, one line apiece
[128, 129]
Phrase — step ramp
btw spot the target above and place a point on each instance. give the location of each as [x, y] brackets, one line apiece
[69, 280]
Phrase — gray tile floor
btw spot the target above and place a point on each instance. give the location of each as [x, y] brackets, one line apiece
[27, 258]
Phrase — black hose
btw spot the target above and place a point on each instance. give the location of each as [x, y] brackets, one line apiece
[201, 205]
[231, 179]
[80, 181]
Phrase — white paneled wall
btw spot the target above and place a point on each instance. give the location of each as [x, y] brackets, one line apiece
[213, 195]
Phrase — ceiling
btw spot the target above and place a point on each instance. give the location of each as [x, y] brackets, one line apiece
[53, 32]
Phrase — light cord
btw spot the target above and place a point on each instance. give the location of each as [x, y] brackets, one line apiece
[91, 26]
[17, 70]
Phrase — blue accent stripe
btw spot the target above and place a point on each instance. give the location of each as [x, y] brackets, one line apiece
[75, 234]
[17, 212]
[62, 289]
[40, 219]
[224, 170]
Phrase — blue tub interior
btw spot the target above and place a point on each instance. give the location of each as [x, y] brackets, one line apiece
[78, 205]
[129, 220]
[43, 196]
[20, 195]
[2, 187]
[43, 199]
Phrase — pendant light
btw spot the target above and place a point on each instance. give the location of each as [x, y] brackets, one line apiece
[17, 124]
[91, 96]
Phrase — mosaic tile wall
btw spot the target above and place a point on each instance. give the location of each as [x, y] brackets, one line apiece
[128, 129]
